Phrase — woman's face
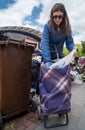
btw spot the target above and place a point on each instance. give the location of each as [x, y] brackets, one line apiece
[58, 17]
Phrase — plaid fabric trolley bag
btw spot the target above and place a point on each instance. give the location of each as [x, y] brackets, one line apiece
[55, 95]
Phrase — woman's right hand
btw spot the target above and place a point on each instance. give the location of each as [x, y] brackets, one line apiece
[48, 64]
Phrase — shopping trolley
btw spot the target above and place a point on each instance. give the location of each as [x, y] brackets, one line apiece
[55, 94]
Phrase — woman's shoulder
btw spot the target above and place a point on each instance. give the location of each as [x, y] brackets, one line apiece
[47, 25]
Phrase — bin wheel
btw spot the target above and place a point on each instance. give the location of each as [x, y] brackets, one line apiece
[39, 112]
[1, 122]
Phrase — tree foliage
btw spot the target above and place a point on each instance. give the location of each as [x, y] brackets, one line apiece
[83, 46]
[81, 49]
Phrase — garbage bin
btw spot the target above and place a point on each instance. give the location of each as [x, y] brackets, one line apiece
[15, 77]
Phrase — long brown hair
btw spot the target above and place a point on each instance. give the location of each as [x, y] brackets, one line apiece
[65, 27]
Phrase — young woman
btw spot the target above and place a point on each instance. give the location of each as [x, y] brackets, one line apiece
[57, 31]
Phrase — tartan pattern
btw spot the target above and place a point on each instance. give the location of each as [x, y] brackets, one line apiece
[55, 89]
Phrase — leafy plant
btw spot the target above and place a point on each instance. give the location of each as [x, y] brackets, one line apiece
[10, 126]
[81, 50]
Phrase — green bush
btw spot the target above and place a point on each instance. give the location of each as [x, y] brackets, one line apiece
[80, 47]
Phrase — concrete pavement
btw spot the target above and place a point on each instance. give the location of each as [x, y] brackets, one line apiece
[77, 114]
[30, 120]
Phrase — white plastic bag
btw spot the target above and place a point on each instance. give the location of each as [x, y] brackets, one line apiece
[64, 61]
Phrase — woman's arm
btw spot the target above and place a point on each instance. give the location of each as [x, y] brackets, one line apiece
[45, 44]
[69, 42]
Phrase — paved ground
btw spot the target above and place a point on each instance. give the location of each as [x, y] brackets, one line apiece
[76, 116]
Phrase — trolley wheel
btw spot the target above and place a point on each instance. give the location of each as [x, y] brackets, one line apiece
[1, 122]
[61, 115]
[39, 112]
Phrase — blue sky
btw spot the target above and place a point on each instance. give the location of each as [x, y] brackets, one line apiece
[6, 3]
[35, 13]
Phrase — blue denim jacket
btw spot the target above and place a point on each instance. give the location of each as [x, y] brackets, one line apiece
[50, 43]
